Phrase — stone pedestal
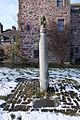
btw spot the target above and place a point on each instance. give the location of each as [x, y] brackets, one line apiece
[43, 59]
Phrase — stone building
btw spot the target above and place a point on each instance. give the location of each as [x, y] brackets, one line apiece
[57, 13]
[7, 39]
[75, 33]
[8, 36]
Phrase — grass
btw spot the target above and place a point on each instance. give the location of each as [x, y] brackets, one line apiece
[36, 64]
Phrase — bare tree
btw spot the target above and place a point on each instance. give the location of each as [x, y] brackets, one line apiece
[15, 49]
[59, 43]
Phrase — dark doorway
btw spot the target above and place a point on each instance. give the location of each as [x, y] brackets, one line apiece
[77, 61]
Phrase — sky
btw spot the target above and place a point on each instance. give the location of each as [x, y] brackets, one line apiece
[9, 10]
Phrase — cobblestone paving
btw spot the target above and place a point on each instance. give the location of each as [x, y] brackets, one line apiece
[26, 96]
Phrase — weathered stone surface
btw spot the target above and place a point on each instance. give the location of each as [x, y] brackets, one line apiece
[43, 58]
[20, 107]
[44, 103]
[20, 80]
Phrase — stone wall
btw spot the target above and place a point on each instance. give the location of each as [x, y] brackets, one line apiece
[75, 32]
[30, 12]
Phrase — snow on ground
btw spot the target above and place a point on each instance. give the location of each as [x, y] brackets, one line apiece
[37, 116]
[68, 73]
[7, 83]
[2, 101]
[8, 76]
[6, 88]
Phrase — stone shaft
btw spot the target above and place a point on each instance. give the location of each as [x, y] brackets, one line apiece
[43, 60]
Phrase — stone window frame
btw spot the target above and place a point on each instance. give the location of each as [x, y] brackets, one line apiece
[28, 27]
[60, 26]
[22, 29]
[76, 49]
[65, 3]
[36, 53]
[60, 3]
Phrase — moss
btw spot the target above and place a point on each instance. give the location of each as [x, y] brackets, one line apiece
[14, 101]
[71, 112]
[41, 94]
[4, 98]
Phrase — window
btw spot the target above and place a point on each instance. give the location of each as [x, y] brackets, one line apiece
[28, 28]
[76, 49]
[60, 25]
[22, 30]
[36, 53]
[60, 3]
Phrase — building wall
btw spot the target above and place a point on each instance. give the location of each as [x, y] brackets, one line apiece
[30, 12]
[75, 33]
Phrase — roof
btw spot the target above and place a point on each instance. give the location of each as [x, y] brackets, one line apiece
[75, 8]
[9, 33]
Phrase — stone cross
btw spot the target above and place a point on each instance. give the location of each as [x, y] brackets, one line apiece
[43, 56]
